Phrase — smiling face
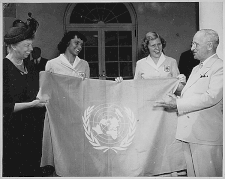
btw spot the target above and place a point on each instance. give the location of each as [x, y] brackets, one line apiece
[199, 46]
[155, 48]
[23, 49]
[75, 46]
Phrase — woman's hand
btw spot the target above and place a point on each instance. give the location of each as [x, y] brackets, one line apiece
[119, 79]
[35, 103]
[38, 103]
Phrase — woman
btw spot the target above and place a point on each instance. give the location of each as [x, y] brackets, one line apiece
[156, 64]
[68, 62]
[21, 140]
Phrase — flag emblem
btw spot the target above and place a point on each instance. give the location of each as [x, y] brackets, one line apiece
[109, 126]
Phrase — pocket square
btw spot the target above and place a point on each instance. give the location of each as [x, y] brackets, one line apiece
[203, 76]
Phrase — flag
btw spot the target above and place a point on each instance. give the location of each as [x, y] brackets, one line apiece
[104, 128]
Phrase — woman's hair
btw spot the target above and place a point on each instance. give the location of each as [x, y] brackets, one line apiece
[151, 36]
[64, 43]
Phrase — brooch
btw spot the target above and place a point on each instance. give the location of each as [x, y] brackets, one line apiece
[81, 74]
[166, 68]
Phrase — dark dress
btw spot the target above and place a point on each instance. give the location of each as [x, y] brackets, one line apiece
[22, 131]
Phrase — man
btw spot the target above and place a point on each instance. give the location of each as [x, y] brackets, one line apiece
[200, 125]
[38, 61]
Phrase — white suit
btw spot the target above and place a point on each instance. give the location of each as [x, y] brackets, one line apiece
[200, 118]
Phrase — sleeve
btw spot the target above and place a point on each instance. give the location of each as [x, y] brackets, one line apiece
[48, 67]
[212, 96]
[137, 72]
[175, 70]
[87, 71]
[8, 102]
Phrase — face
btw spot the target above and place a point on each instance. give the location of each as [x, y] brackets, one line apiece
[155, 48]
[75, 46]
[199, 47]
[23, 49]
[35, 54]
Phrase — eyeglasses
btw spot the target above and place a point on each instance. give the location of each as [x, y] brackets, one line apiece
[194, 44]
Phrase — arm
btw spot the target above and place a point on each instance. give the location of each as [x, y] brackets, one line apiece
[87, 71]
[48, 67]
[137, 72]
[181, 77]
[9, 105]
[26, 105]
[210, 97]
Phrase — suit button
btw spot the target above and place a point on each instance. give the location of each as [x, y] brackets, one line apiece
[188, 117]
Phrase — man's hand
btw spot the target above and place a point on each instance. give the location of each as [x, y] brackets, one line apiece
[168, 102]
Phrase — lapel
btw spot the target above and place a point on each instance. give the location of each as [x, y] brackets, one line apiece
[161, 60]
[197, 73]
[65, 62]
[152, 63]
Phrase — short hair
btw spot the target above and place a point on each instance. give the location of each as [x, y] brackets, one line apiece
[212, 36]
[64, 43]
[151, 36]
[36, 51]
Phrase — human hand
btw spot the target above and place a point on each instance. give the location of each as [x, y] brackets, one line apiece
[38, 103]
[182, 78]
[119, 79]
[168, 102]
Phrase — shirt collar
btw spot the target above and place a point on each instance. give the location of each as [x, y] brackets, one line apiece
[206, 60]
[161, 60]
[64, 60]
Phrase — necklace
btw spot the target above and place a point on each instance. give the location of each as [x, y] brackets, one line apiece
[17, 63]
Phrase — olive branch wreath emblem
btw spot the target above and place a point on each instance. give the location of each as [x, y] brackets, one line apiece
[94, 141]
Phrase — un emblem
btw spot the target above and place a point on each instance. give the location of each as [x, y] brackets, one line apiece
[109, 126]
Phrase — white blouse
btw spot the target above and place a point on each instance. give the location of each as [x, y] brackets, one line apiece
[166, 67]
[61, 65]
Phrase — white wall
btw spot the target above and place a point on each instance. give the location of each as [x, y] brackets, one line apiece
[211, 17]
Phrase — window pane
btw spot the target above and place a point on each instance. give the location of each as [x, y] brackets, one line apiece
[111, 54]
[124, 18]
[94, 71]
[125, 54]
[126, 69]
[111, 38]
[91, 54]
[112, 69]
[96, 12]
[92, 38]
[125, 38]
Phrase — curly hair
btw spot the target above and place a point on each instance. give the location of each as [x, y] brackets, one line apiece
[151, 36]
[64, 43]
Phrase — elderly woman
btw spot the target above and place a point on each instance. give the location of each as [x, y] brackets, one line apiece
[156, 64]
[21, 155]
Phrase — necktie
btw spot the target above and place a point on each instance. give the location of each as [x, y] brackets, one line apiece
[200, 65]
